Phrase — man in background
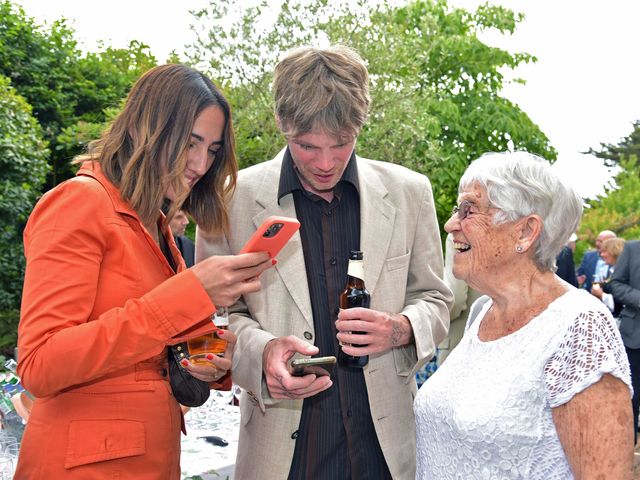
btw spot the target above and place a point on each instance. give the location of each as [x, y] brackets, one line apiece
[592, 264]
[625, 287]
[178, 225]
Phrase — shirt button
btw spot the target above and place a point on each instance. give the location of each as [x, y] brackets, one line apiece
[333, 260]
[294, 435]
[308, 335]
[349, 413]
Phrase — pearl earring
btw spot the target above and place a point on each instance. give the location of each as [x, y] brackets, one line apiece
[519, 249]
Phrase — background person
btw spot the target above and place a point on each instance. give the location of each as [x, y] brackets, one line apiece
[106, 290]
[178, 225]
[358, 424]
[625, 288]
[610, 251]
[592, 265]
[566, 269]
[516, 398]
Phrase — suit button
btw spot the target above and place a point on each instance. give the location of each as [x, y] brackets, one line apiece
[308, 335]
[294, 435]
[333, 260]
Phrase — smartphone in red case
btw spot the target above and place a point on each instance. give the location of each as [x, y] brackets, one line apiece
[272, 235]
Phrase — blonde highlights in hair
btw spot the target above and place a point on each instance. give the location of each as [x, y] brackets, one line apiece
[144, 151]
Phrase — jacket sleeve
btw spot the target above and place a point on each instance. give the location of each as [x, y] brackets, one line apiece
[428, 299]
[620, 284]
[60, 345]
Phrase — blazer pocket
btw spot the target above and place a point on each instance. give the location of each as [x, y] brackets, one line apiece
[397, 263]
[92, 441]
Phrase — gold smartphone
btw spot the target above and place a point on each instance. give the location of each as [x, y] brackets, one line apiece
[316, 365]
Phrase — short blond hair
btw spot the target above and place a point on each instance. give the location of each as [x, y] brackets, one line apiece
[613, 246]
[321, 89]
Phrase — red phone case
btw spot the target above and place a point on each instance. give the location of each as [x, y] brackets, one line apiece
[267, 239]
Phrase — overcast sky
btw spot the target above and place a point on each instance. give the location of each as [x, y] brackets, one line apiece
[582, 91]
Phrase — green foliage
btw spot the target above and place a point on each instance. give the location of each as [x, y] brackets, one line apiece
[71, 95]
[435, 86]
[612, 154]
[617, 210]
[64, 86]
[23, 169]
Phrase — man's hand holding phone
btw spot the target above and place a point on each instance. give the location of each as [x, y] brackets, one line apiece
[280, 381]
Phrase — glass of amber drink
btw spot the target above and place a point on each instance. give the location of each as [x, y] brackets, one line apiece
[211, 343]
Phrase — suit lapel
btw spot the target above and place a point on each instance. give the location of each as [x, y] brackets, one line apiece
[377, 219]
[290, 266]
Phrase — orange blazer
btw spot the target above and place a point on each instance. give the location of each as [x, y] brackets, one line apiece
[100, 304]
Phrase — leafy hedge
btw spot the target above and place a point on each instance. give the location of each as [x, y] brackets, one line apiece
[23, 169]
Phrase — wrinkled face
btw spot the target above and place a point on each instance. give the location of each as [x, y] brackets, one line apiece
[179, 223]
[320, 160]
[206, 140]
[482, 248]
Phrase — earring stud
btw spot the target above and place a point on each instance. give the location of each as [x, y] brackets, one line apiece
[519, 249]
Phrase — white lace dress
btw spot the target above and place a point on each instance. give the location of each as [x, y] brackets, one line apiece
[486, 412]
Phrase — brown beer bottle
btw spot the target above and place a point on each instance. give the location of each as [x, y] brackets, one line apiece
[354, 295]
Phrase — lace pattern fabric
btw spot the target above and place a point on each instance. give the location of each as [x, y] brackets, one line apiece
[486, 412]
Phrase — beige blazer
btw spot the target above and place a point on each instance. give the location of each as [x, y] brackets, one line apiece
[403, 272]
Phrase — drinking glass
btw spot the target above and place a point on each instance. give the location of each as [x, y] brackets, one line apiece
[210, 343]
[7, 466]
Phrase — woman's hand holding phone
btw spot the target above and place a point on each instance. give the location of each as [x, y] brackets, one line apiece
[272, 235]
[227, 278]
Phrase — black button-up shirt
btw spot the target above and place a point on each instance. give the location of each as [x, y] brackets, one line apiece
[336, 437]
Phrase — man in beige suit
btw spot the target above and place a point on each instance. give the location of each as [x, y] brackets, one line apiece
[359, 423]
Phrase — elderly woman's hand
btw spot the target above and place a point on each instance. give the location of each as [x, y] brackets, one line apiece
[217, 366]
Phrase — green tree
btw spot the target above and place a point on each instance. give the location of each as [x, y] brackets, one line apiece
[65, 86]
[23, 168]
[612, 154]
[435, 85]
[617, 210]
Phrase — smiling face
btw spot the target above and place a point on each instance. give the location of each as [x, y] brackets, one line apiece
[482, 248]
[206, 140]
[320, 161]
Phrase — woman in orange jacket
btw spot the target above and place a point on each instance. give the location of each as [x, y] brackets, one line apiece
[106, 290]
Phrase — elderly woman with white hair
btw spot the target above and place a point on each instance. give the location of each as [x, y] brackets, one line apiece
[539, 386]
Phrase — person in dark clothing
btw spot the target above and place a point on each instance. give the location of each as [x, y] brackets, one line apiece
[566, 268]
[178, 225]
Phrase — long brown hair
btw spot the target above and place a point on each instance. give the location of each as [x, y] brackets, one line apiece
[144, 151]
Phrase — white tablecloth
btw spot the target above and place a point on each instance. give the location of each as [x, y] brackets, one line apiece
[201, 458]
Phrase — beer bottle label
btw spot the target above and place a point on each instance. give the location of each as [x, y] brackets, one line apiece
[356, 269]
